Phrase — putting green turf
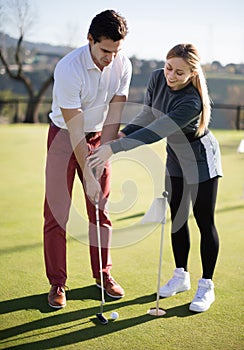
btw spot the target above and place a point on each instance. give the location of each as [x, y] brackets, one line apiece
[26, 322]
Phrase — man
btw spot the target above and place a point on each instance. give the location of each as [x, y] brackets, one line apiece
[90, 86]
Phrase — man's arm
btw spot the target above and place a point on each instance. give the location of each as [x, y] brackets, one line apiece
[113, 119]
[74, 121]
[111, 126]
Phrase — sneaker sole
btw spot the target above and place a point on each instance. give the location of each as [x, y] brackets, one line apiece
[171, 295]
[111, 296]
[196, 309]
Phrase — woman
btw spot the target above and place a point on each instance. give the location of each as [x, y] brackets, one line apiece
[177, 106]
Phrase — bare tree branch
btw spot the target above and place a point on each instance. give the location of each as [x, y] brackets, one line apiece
[6, 66]
[45, 86]
[1, 15]
[20, 13]
[17, 56]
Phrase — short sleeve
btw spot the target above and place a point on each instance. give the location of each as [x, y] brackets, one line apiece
[125, 78]
[67, 86]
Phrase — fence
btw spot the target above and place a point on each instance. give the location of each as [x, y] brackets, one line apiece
[239, 116]
[13, 111]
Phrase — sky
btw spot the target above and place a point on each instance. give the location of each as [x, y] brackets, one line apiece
[215, 27]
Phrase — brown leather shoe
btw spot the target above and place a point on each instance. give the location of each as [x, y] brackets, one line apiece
[56, 297]
[111, 287]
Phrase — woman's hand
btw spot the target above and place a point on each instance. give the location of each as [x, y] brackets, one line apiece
[99, 157]
[121, 134]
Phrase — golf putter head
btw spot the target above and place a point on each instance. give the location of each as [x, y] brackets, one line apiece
[101, 318]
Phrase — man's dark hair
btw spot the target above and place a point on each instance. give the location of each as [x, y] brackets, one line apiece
[108, 24]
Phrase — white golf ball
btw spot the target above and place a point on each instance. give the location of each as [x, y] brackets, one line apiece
[114, 315]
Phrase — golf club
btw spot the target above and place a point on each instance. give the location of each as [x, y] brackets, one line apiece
[103, 320]
[157, 311]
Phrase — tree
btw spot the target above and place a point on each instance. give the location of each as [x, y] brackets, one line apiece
[19, 13]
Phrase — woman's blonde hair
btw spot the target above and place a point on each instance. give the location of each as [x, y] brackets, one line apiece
[190, 55]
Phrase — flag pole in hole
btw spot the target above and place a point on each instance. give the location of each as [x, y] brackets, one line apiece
[157, 213]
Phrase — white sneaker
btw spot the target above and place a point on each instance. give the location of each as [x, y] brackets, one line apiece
[204, 296]
[180, 282]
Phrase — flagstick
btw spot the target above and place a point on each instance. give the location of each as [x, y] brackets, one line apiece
[158, 311]
[160, 268]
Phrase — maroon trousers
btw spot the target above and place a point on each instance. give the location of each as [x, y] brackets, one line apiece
[61, 166]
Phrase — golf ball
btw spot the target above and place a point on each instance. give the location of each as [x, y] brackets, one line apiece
[114, 315]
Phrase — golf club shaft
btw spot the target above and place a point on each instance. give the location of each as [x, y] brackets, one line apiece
[100, 255]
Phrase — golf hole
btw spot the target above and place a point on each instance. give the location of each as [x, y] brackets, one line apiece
[156, 312]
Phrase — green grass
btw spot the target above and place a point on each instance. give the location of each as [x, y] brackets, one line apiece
[26, 322]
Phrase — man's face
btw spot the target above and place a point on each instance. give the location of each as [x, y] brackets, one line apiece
[104, 52]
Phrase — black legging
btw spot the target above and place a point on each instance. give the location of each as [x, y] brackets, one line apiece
[203, 198]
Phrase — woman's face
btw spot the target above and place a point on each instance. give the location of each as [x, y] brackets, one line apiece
[177, 73]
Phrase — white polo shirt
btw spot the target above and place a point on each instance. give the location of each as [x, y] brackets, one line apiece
[79, 83]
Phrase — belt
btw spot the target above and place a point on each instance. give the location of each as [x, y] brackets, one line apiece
[88, 135]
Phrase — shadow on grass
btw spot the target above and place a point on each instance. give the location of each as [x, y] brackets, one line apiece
[39, 302]
[62, 321]
[138, 215]
[22, 248]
